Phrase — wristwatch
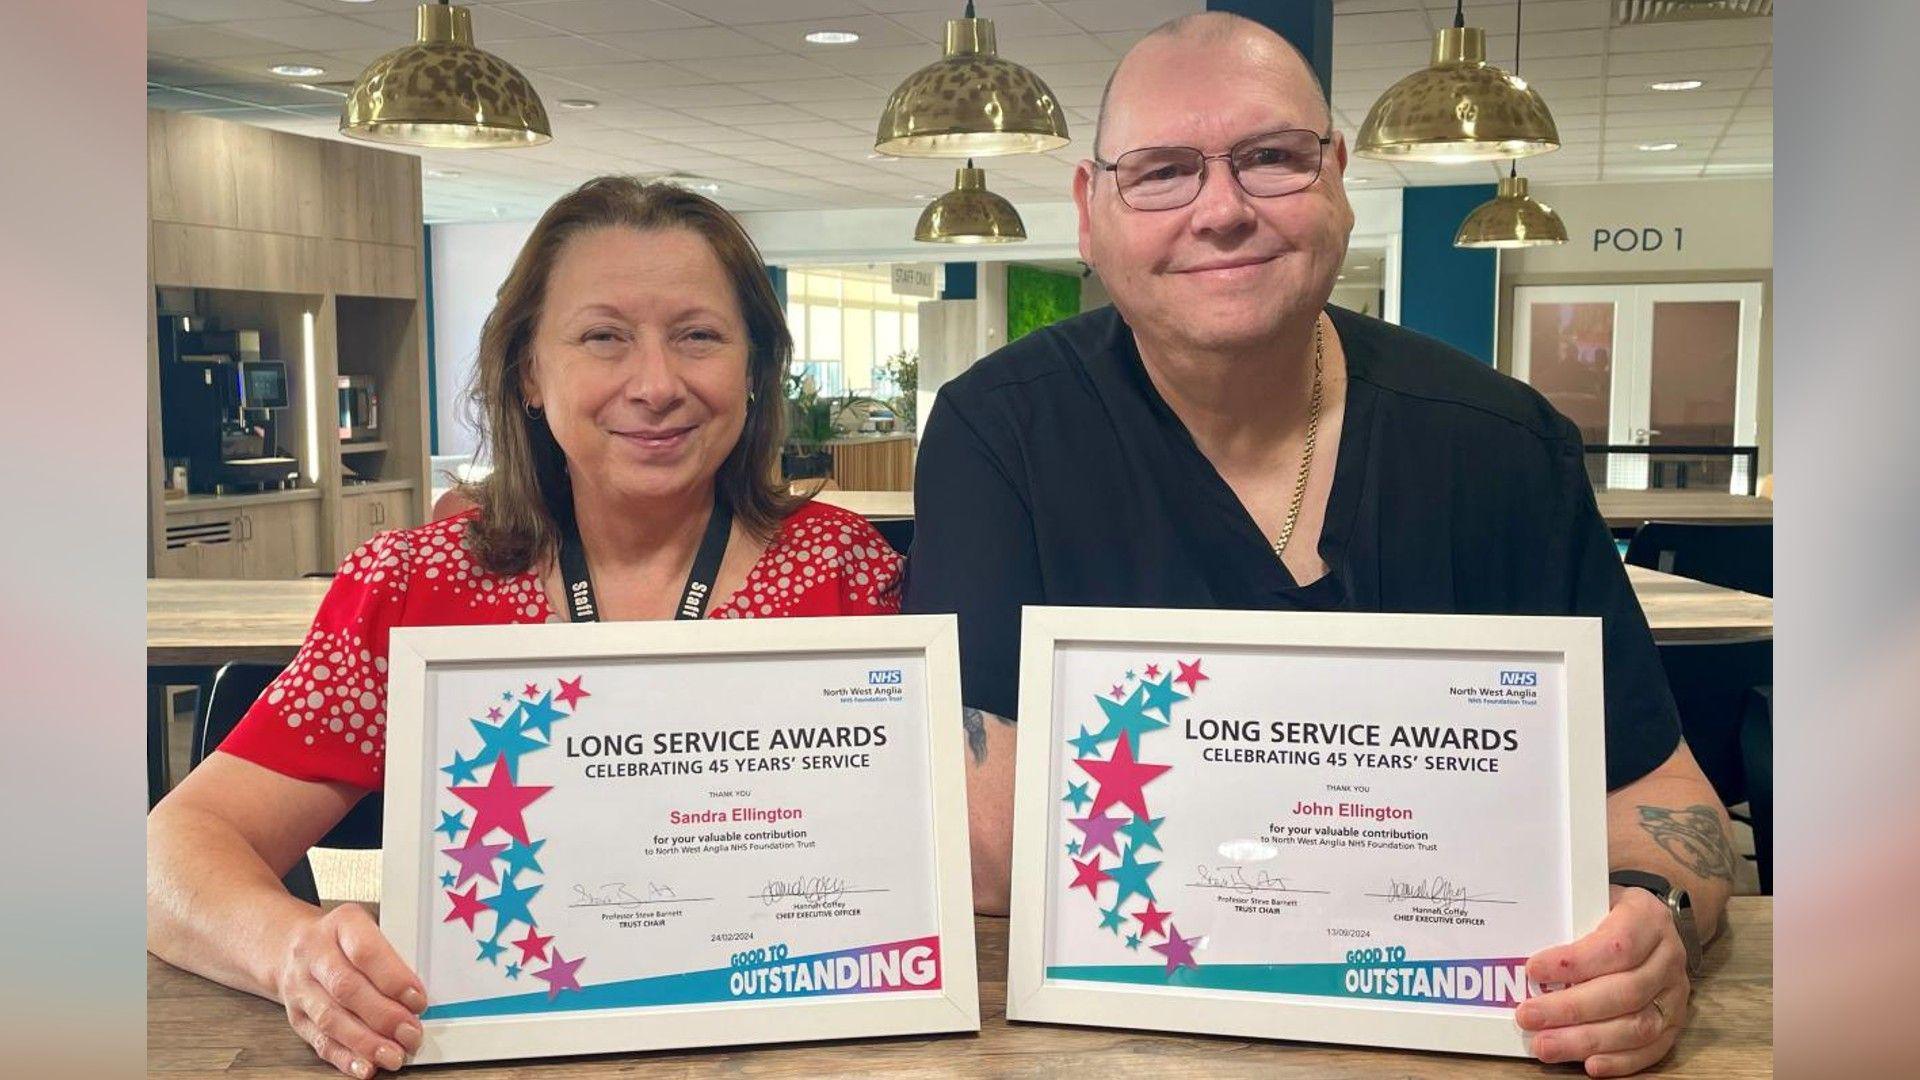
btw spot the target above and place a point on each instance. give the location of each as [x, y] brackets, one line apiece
[1678, 903]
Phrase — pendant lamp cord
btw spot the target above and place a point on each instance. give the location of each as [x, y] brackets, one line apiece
[969, 13]
[1516, 36]
[1459, 13]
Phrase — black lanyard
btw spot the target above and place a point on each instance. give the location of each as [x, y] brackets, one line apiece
[693, 598]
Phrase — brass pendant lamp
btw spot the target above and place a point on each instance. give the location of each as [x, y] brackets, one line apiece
[1512, 218]
[970, 214]
[442, 91]
[1458, 109]
[971, 103]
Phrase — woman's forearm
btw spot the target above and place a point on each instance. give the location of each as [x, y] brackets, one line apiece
[214, 907]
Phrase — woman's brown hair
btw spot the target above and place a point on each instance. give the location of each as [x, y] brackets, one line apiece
[527, 496]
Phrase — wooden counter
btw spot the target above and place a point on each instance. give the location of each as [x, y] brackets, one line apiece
[1627, 509]
[197, 1028]
[873, 462]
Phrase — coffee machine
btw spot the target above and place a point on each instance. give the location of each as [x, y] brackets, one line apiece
[220, 408]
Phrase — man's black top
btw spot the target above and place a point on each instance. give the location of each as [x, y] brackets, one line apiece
[1052, 472]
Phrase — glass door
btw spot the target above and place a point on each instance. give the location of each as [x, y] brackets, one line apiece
[1675, 365]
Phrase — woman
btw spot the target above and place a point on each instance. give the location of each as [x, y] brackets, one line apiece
[630, 378]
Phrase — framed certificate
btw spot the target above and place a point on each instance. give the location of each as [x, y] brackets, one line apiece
[634, 836]
[1330, 827]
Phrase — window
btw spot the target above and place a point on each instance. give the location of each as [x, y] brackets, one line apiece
[847, 322]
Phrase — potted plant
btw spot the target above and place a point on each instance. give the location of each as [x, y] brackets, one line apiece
[809, 426]
[903, 370]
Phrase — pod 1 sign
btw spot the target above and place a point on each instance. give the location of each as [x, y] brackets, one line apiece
[1628, 238]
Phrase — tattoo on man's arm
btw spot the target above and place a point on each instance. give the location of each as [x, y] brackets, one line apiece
[974, 722]
[1693, 837]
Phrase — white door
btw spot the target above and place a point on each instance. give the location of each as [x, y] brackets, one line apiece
[1660, 365]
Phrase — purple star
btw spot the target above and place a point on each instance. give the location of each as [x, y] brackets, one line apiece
[559, 975]
[475, 859]
[1177, 950]
[1099, 831]
[494, 713]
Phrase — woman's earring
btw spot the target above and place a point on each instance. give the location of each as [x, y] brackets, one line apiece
[534, 412]
[751, 396]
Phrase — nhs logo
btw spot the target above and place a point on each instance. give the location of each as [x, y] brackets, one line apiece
[1519, 678]
[884, 677]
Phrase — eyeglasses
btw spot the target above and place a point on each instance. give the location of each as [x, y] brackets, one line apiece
[1265, 166]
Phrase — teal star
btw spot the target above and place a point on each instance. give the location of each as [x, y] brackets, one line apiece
[1141, 833]
[1133, 941]
[1077, 795]
[506, 695]
[1110, 918]
[1084, 744]
[1073, 848]
[452, 824]
[1161, 695]
[519, 857]
[490, 951]
[447, 879]
[1127, 717]
[513, 971]
[510, 905]
[461, 771]
[1131, 877]
[540, 715]
[508, 739]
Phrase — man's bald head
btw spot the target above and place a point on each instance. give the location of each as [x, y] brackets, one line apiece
[1226, 30]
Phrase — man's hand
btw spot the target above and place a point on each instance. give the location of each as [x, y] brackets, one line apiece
[1625, 990]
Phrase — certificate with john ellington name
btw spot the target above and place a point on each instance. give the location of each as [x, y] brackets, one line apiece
[1330, 827]
[633, 836]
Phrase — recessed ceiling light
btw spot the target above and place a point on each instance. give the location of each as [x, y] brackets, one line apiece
[1677, 84]
[924, 196]
[1339, 277]
[1361, 266]
[437, 174]
[297, 71]
[1359, 180]
[875, 155]
[832, 37]
[578, 103]
[1658, 147]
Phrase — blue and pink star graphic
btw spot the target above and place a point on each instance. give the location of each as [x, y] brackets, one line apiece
[499, 848]
[1108, 813]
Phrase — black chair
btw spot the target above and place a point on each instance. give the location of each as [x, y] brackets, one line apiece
[898, 532]
[1736, 555]
[235, 687]
[1714, 683]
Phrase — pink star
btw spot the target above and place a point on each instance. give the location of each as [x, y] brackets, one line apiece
[1190, 674]
[475, 859]
[1117, 692]
[1120, 778]
[533, 690]
[1153, 671]
[533, 946]
[500, 803]
[1177, 950]
[493, 713]
[1099, 830]
[1152, 920]
[559, 975]
[465, 905]
[1088, 875]
[570, 692]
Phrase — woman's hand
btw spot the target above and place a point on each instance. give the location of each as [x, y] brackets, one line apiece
[349, 995]
[1625, 995]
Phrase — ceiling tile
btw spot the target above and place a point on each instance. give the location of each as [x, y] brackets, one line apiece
[1012, 23]
[491, 23]
[839, 89]
[1385, 26]
[223, 10]
[765, 113]
[205, 43]
[1103, 15]
[1688, 63]
[679, 97]
[629, 75]
[600, 16]
[559, 50]
[1714, 33]
[798, 130]
[875, 32]
[691, 43]
[747, 12]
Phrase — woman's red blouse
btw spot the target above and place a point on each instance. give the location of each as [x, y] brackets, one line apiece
[324, 717]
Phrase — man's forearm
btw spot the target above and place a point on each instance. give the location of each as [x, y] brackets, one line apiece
[990, 746]
[1671, 823]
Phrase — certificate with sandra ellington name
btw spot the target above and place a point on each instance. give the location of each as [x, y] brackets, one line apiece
[1317, 826]
[627, 836]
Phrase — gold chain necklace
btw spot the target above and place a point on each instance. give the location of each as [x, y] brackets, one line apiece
[1306, 455]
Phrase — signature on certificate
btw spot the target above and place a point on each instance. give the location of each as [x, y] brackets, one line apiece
[814, 888]
[1450, 895]
[1236, 878]
[617, 894]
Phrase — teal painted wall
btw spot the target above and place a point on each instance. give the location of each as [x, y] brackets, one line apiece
[1446, 292]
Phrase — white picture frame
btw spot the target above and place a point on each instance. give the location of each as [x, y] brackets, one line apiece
[419, 655]
[1047, 631]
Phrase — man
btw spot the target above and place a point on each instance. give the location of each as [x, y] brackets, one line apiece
[1220, 438]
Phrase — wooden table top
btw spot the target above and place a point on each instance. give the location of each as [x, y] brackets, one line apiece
[198, 1028]
[1625, 509]
[212, 622]
[871, 504]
